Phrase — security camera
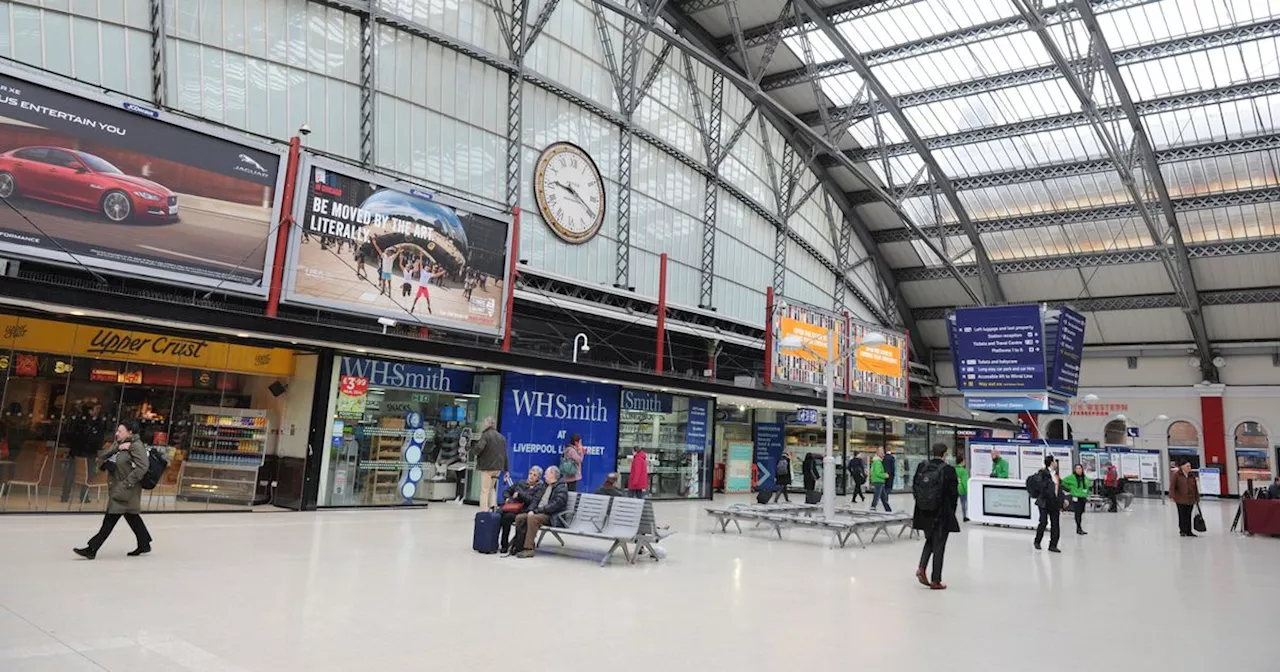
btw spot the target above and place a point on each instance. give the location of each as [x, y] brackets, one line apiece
[386, 322]
[304, 129]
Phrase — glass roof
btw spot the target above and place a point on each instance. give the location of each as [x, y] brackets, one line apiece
[919, 47]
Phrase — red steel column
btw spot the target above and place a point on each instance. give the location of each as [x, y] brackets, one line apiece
[1215, 437]
[282, 229]
[662, 308]
[511, 279]
[768, 337]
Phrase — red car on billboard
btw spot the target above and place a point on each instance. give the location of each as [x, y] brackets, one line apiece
[81, 180]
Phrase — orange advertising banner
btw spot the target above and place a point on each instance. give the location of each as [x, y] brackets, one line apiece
[814, 338]
[884, 360]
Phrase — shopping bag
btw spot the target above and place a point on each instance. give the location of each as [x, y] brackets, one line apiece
[1198, 521]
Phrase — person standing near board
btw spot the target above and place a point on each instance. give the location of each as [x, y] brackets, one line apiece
[1185, 492]
[999, 465]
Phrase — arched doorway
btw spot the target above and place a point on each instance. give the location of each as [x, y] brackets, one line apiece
[1059, 430]
[1183, 440]
[1252, 460]
[1116, 433]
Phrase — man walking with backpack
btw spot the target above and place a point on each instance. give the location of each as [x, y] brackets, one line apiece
[126, 460]
[1045, 487]
[937, 491]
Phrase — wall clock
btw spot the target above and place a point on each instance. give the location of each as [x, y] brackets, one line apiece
[570, 192]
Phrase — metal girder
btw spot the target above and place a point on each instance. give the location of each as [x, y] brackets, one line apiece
[654, 70]
[777, 112]
[806, 149]
[992, 291]
[1180, 101]
[1081, 215]
[1097, 259]
[1265, 143]
[780, 260]
[159, 89]
[1169, 239]
[534, 30]
[1226, 297]
[1147, 52]
[368, 87]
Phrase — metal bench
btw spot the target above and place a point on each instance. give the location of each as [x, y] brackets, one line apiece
[650, 532]
[848, 523]
[615, 519]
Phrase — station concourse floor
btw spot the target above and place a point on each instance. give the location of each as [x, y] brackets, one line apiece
[402, 590]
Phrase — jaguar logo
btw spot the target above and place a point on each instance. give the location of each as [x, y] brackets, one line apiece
[262, 360]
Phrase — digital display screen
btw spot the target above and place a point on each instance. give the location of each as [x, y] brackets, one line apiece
[1005, 502]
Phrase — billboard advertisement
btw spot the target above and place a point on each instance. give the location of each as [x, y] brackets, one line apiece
[879, 370]
[367, 244]
[540, 413]
[813, 327]
[95, 180]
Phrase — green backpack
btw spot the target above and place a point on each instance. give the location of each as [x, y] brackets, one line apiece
[568, 467]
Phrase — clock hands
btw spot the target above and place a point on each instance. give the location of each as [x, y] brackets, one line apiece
[574, 193]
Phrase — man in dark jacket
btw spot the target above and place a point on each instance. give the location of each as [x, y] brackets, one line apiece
[857, 474]
[890, 471]
[554, 500]
[936, 523]
[782, 479]
[126, 460]
[491, 461]
[610, 487]
[1049, 500]
[527, 494]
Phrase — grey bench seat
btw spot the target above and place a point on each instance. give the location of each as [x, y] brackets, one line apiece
[614, 519]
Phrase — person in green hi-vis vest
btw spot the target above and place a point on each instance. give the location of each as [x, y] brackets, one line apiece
[962, 474]
[999, 465]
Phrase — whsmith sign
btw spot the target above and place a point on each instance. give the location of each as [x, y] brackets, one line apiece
[408, 376]
[541, 413]
[62, 338]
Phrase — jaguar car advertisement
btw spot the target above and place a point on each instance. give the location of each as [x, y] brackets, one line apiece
[131, 190]
[371, 246]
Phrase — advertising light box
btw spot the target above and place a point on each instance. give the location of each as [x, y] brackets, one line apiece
[370, 245]
[116, 186]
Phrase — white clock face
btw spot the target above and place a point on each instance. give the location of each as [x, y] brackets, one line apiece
[570, 192]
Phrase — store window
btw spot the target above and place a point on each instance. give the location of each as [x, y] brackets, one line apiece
[675, 433]
[806, 444]
[1183, 440]
[212, 406]
[400, 431]
[1253, 460]
[735, 451]
[910, 444]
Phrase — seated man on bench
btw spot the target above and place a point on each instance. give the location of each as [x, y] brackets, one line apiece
[554, 500]
[610, 487]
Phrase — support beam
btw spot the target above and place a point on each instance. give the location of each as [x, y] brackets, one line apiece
[1226, 297]
[1082, 215]
[1098, 259]
[1232, 35]
[992, 291]
[1167, 238]
[1182, 101]
[368, 49]
[159, 87]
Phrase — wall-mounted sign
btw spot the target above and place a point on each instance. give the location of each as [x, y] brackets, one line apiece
[150, 195]
[25, 333]
[365, 244]
[408, 375]
[540, 413]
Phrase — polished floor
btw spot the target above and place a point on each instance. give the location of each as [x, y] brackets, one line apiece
[402, 590]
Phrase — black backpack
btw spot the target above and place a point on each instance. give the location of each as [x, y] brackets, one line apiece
[927, 486]
[1035, 484]
[156, 466]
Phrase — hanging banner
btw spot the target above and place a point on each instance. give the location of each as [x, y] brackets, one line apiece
[813, 328]
[371, 245]
[540, 413]
[131, 190]
[1067, 354]
[998, 348]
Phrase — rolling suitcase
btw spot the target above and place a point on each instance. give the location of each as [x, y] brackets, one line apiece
[763, 495]
[813, 497]
[485, 538]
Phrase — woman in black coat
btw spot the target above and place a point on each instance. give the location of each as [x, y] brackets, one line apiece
[939, 523]
[810, 469]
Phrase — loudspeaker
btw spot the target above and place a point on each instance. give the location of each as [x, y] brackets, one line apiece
[277, 388]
